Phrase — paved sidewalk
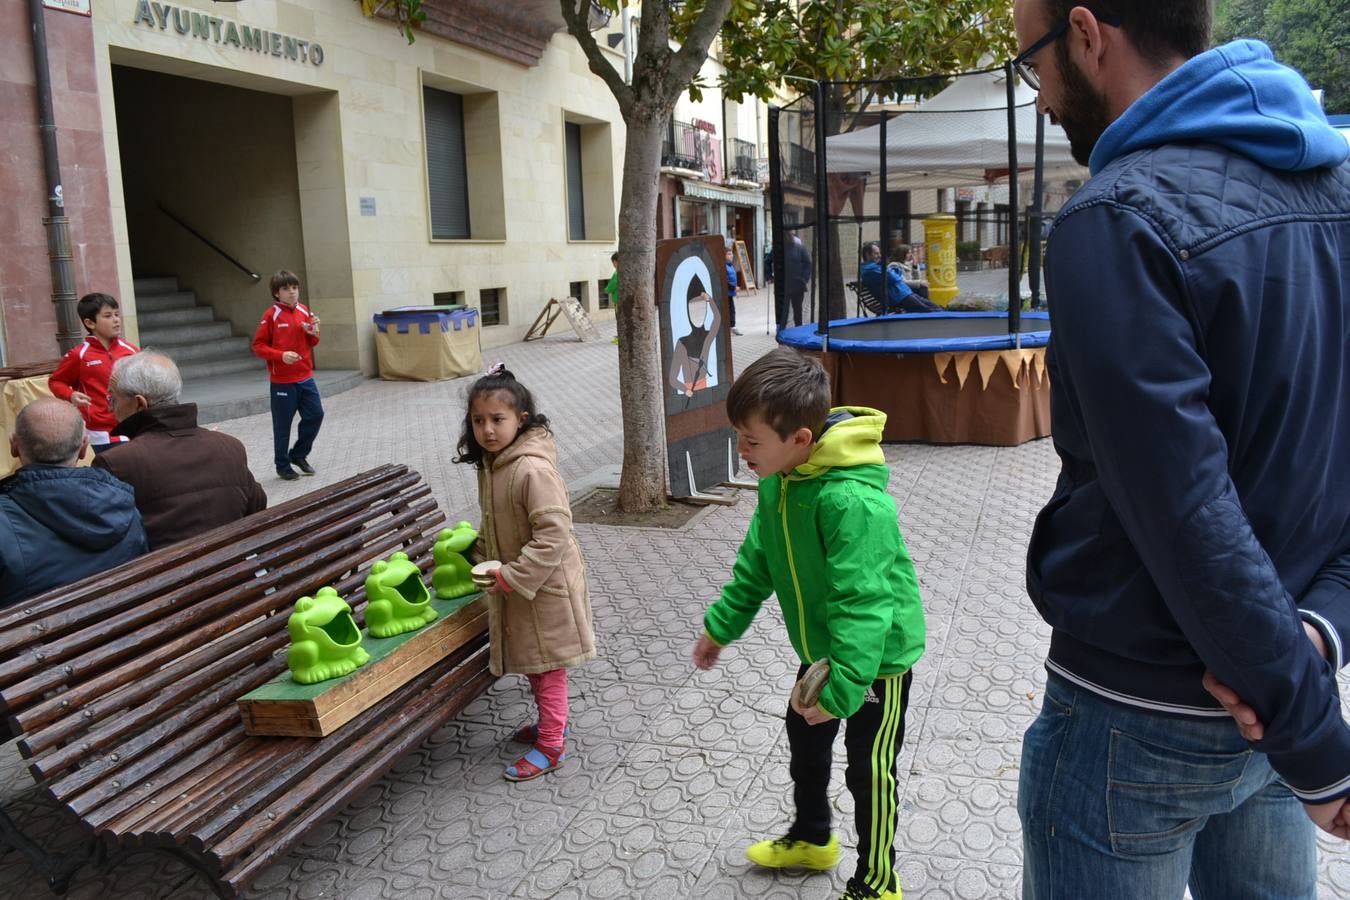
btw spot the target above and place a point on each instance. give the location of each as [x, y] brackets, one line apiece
[672, 772]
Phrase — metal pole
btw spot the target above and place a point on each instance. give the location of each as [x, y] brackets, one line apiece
[885, 209]
[69, 333]
[1034, 263]
[1014, 249]
[780, 235]
[822, 223]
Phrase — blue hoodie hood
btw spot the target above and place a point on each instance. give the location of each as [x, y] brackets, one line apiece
[1236, 96]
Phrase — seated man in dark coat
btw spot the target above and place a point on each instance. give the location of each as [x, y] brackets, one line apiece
[59, 524]
[188, 480]
[897, 297]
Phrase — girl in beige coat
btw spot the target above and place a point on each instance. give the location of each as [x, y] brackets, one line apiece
[539, 613]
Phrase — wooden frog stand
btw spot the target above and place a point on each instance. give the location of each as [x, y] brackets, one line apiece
[284, 707]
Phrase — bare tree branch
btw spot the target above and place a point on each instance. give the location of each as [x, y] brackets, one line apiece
[575, 15]
[689, 58]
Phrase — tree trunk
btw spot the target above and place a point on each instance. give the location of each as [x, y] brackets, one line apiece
[642, 486]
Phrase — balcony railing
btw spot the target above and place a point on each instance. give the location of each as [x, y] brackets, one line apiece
[741, 159]
[801, 165]
[682, 147]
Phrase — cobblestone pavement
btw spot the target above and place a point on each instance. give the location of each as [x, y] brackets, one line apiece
[672, 772]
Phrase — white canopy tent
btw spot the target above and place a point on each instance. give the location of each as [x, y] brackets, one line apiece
[957, 138]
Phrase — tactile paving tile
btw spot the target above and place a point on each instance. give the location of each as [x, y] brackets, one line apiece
[604, 855]
[961, 817]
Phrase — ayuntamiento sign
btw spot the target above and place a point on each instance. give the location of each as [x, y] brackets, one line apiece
[201, 26]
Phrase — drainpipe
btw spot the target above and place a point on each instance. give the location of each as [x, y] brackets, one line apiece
[68, 331]
[626, 21]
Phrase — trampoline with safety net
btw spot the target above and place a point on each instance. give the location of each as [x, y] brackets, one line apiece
[947, 377]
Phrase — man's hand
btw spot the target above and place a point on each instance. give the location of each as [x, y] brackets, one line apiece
[290, 357]
[1332, 817]
[312, 326]
[79, 400]
[706, 652]
[1251, 727]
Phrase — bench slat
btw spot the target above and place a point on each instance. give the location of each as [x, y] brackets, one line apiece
[178, 599]
[91, 675]
[448, 698]
[112, 618]
[283, 782]
[39, 617]
[75, 781]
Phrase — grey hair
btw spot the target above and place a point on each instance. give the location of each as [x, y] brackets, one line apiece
[49, 432]
[151, 375]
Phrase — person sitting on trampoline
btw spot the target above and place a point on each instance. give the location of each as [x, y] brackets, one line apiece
[899, 297]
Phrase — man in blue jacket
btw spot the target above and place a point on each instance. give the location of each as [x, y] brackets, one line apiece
[1199, 533]
[897, 297]
[58, 523]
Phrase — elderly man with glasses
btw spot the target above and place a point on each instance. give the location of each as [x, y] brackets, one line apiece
[1194, 559]
[188, 479]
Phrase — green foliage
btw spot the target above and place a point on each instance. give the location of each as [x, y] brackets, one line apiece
[1313, 36]
[863, 40]
[407, 13]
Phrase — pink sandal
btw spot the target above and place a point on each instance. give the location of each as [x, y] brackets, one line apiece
[529, 734]
[539, 761]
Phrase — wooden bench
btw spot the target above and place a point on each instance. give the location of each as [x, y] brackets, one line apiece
[122, 687]
[867, 304]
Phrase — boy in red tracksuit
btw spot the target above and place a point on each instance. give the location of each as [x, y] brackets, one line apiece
[285, 338]
[82, 377]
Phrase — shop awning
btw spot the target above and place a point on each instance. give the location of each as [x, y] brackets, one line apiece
[704, 191]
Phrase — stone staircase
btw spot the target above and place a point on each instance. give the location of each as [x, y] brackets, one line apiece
[173, 322]
[220, 373]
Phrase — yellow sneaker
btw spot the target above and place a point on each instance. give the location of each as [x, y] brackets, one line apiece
[785, 852]
[857, 890]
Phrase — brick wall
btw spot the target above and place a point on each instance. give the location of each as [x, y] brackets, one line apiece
[25, 277]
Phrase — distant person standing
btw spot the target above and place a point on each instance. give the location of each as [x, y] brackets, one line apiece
[286, 337]
[612, 288]
[731, 292]
[82, 377]
[798, 277]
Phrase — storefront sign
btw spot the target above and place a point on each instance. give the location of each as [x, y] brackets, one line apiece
[223, 31]
[79, 7]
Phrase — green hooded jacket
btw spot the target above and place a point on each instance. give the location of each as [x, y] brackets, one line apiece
[826, 540]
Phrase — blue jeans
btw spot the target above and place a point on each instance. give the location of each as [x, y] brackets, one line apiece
[287, 399]
[1120, 802]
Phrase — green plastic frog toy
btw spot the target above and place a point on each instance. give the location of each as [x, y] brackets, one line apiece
[451, 577]
[325, 642]
[399, 601]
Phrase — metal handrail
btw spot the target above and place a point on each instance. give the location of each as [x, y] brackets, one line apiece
[207, 241]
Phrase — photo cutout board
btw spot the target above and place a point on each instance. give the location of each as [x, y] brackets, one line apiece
[691, 295]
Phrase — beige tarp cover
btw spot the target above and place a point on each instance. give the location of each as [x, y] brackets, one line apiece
[17, 394]
[428, 347]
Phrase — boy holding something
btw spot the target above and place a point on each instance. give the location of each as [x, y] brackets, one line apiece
[825, 539]
[82, 376]
[285, 338]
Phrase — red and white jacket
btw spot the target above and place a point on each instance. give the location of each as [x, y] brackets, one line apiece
[87, 369]
[282, 329]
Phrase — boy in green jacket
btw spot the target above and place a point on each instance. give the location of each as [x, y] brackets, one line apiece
[825, 539]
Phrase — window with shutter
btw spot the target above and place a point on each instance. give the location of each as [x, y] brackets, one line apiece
[576, 204]
[447, 175]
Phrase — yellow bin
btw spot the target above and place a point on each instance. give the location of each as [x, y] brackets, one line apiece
[939, 233]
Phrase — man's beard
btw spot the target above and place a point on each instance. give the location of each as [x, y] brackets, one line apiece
[1083, 112]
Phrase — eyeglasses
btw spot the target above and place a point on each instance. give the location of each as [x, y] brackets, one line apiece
[1022, 60]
